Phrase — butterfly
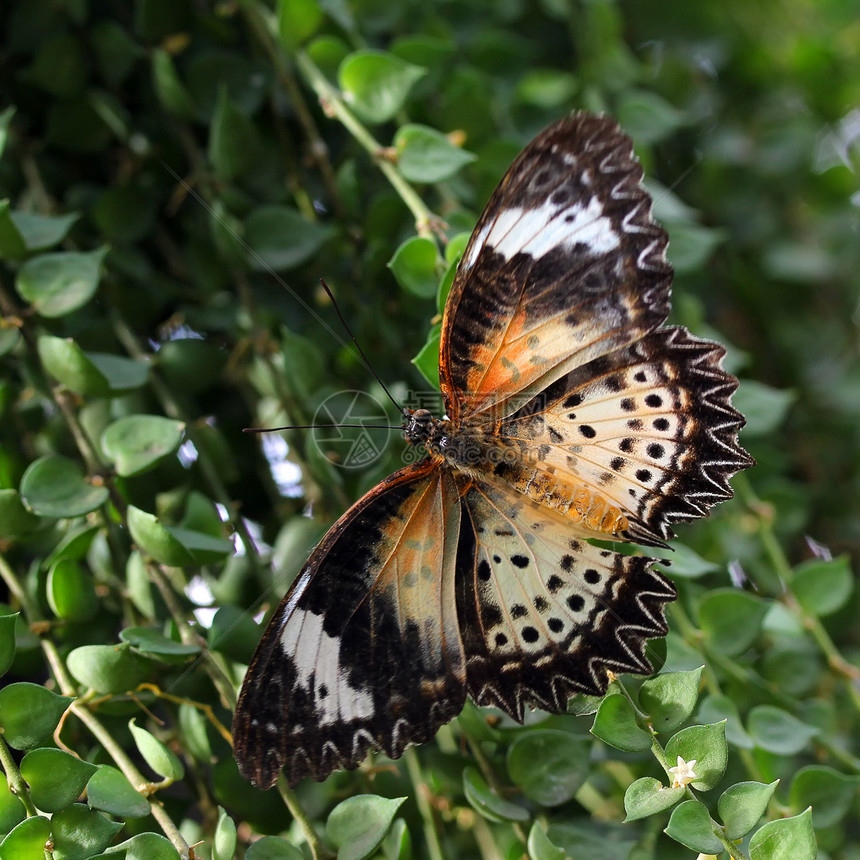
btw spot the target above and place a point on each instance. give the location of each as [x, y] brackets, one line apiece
[572, 416]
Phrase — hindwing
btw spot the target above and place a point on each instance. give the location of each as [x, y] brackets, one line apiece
[544, 614]
[649, 427]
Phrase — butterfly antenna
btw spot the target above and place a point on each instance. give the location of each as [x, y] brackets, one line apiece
[364, 358]
[321, 427]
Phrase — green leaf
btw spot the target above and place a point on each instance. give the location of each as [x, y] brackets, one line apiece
[68, 364]
[648, 796]
[282, 239]
[763, 407]
[55, 486]
[144, 846]
[138, 584]
[12, 244]
[692, 245]
[122, 374]
[201, 515]
[589, 842]
[304, 363]
[548, 89]
[234, 144]
[453, 252]
[70, 591]
[110, 791]
[7, 641]
[41, 232]
[156, 540]
[473, 722]
[92, 373]
[446, 282]
[169, 88]
[15, 520]
[375, 84]
[12, 810]
[27, 840]
[107, 668]
[273, 848]
[707, 746]
[731, 620]
[233, 633]
[426, 155]
[153, 642]
[427, 359]
[5, 120]
[670, 698]
[156, 754]
[787, 837]
[778, 731]
[298, 20]
[136, 443]
[29, 714]
[646, 116]
[829, 793]
[224, 844]
[79, 832]
[227, 235]
[56, 778]
[822, 587]
[192, 726]
[549, 766]
[10, 337]
[124, 213]
[357, 826]
[398, 844]
[58, 283]
[540, 847]
[713, 709]
[415, 265]
[741, 806]
[687, 563]
[615, 724]
[204, 548]
[691, 825]
[191, 365]
[483, 800]
[793, 665]
[74, 546]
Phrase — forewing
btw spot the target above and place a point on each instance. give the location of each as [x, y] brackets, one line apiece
[649, 427]
[564, 265]
[364, 651]
[544, 614]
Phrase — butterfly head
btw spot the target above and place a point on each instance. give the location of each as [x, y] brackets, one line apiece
[419, 425]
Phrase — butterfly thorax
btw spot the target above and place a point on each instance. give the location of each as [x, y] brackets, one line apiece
[476, 451]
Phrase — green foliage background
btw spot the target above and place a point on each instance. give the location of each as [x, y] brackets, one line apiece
[178, 178]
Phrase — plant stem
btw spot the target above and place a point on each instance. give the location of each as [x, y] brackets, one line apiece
[331, 98]
[16, 782]
[422, 798]
[317, 849]
[139, 782]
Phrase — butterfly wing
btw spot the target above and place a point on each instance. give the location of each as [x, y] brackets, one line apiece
[364, 651]
[649, 427]
[564, 265]
[544, 613]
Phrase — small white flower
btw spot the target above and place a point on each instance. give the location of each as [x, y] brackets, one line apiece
[683, 773]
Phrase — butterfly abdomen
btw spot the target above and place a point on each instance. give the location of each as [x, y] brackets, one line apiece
[581, 504]
[477, 453]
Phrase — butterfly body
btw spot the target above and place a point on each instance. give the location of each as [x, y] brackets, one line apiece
[571, 415]
[478, 452]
